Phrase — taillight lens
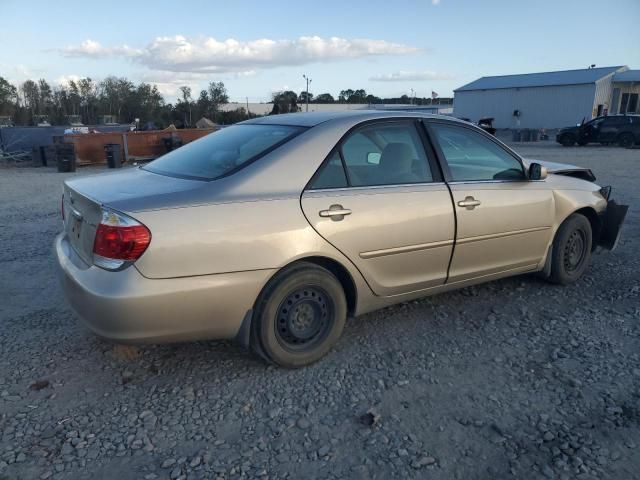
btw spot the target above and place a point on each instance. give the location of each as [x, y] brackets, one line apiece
[119, 239]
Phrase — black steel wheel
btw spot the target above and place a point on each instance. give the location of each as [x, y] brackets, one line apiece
[304, 318]
[575, 250]
[571, 250]
[299, 316]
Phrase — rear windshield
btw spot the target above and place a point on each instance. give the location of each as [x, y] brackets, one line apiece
[223, 152]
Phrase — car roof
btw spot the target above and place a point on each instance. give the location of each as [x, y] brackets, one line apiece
[311, 119]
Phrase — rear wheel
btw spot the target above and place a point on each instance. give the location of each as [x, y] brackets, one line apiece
[571, 250]
[567, 140]
[625, 140]
[299, 316]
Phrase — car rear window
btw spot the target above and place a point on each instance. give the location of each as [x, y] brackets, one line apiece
[223, 152]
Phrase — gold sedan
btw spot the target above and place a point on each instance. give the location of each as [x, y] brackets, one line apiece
[275, 230]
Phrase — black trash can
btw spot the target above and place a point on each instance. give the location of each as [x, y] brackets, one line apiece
[171, 143]
[113, 152]
[66, 157]
[526, 135]
[516, 135]
[534, 135]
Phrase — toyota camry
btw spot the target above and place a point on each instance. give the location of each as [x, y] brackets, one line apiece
[276, 230]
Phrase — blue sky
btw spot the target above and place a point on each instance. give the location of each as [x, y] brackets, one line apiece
[257, 47]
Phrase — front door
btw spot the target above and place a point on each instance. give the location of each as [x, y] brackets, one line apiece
[381, 202]
[504, 221]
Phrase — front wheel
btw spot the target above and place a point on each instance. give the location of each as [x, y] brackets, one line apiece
[567, 140]
[571, 250]
[299, 316]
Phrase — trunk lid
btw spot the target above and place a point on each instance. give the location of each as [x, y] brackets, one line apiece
[127, 191]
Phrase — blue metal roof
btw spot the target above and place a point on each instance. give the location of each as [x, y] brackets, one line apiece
[544, 79]
[628, 76]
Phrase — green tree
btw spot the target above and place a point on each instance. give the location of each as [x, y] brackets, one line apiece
[302, 98]
[8, 97]
[324, 98]
[217, 96]
[284, 102]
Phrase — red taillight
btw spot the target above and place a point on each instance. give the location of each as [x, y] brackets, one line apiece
[121, 243]
[119, 239]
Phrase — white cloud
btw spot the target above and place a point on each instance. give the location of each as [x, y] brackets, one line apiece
[408, 76]
[208, 55]
[93, 49]
[65, 79]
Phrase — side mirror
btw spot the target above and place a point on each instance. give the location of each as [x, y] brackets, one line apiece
[537, 172]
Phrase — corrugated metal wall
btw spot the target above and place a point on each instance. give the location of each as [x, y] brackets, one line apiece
[603, 92]
[540, 107]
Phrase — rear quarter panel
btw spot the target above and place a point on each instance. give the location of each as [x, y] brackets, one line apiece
[229, 237]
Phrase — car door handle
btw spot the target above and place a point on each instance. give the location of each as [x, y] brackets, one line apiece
[469, 203]
[335, 212]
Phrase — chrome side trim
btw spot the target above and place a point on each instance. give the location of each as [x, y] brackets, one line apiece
[374, 187]
[406, 249]
[500, 235]
[467, 182]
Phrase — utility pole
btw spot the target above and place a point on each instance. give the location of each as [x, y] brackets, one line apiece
[248, 113]
[413, 95]
[307, 96]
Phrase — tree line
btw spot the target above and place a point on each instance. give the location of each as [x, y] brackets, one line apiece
[123, 101]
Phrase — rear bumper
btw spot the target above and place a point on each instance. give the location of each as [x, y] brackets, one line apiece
[612, 220]
[126, 307]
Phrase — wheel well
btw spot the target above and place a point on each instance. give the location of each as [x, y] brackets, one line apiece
[343, 276]
[596, 225]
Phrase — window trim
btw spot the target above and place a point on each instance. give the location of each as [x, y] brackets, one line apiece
[432, 161]
[448, 177]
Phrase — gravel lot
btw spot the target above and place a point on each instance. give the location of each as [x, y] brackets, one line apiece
[512, 379]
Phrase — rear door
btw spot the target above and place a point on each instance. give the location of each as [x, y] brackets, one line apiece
[380, 200]
[503, 220]
[610, 128]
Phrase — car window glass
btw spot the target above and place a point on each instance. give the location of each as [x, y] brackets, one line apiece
[331, 175]
[222, 152]
[385, 154]
[471, 156]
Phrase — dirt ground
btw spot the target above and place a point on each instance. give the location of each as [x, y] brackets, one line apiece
[512, 379]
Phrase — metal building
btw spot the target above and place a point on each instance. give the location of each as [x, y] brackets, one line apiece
[545, 100]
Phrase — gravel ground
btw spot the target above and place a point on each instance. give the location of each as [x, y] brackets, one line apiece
[512, 379]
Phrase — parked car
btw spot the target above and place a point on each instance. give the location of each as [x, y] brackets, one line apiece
[623, 130]
[275, 230]
[485, 124]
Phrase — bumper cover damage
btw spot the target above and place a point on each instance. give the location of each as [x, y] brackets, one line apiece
[612, 220]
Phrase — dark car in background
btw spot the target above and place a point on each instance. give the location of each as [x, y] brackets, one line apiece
[623, 130]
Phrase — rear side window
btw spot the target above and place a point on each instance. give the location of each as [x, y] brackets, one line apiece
[389, 153]
[223, 152]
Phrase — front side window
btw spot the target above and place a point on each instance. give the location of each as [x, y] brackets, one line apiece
[473, 157]
[222, 152]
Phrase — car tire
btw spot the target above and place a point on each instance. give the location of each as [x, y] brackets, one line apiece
[582, 142]
[571, 250]
[567, 140]
[299, 316]
[626, 140]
